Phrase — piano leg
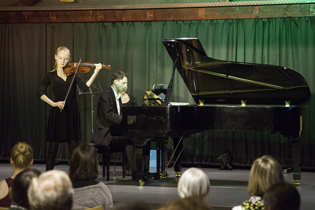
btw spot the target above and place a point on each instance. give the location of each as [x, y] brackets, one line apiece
[141, 174]
[296, 155]
[140, 168]
[164, 174]
[177, 158]
[160, 159]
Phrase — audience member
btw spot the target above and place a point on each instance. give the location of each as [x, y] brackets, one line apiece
[83, 173]
[21, 157]
[19, 189]
[265, 172]
[51, 190]
[135, 205]
[282, 196]
[188, 203]
[194, 182]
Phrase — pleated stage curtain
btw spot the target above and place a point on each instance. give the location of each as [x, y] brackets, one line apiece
[27, 53]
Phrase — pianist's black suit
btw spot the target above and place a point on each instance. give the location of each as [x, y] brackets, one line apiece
[107, 115]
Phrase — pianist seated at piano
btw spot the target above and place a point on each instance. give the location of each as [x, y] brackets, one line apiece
[109, 113]
[127, 100]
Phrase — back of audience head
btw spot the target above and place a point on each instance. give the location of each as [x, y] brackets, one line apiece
[193, 182]
[135, 205]
[20, 186]
[21, 156]
[83, 163]
[51, 190]
[282, 196]
[265, 172]
[188, 203]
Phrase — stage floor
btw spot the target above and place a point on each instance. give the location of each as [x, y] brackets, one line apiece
[228, 187]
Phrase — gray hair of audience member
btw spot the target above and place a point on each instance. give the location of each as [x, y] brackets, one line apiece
[20, 186]
[265, 172]
[51, 190]
[193, 183]
[282, 196]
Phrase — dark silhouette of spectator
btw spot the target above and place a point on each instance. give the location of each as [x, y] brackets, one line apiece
[282, 196]
[21, 157]
[19, 189]
[83, 173]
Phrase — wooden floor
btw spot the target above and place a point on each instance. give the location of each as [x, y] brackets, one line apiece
[228, 187]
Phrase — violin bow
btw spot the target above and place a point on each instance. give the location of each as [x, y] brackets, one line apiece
[75, 73]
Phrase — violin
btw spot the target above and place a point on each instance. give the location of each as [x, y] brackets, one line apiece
[83, 68]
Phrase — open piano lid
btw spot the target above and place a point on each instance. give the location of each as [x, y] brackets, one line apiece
[213, 81]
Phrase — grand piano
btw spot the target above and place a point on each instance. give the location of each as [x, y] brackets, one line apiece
[229, 96]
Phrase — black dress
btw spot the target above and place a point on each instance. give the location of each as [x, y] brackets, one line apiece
[62, 125]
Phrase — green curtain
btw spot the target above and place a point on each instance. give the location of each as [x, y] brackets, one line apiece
[27, 53]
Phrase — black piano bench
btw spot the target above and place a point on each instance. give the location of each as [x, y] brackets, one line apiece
[106, 151]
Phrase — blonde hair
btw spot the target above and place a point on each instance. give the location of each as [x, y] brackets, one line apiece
[265, 172]
[51, 190]
[193, 183]
[56, 53]
[22, 155]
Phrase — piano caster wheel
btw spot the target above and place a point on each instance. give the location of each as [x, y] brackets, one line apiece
[164, 175]
[141, 182]
[297, 182]
[178, 174]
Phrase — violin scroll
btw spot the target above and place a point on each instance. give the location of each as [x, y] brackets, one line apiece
[106, 66]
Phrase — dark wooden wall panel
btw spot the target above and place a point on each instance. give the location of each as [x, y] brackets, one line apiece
[211, 13]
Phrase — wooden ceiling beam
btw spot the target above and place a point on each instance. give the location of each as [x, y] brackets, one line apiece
[245, 12]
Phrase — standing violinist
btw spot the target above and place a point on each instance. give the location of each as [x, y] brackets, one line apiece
[64, 117]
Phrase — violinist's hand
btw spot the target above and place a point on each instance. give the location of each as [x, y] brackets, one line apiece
[60, 104]
[98, 67]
